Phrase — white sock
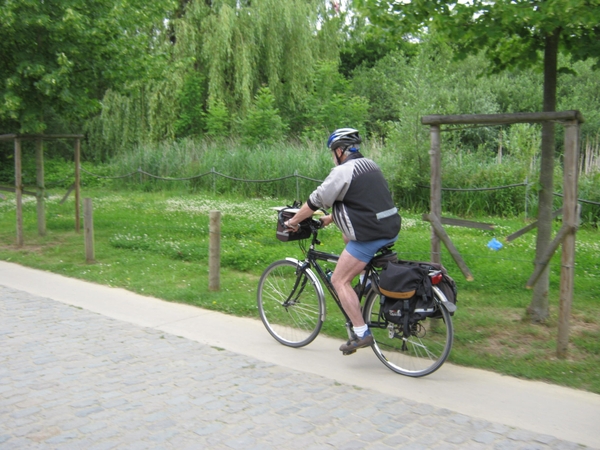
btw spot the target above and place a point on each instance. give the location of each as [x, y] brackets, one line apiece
[360, 331]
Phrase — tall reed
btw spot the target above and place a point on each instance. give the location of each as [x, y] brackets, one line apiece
[258, 171]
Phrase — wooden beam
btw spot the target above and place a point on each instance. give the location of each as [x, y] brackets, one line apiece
[500, 119]
[462, 223]
[541, 265]
[10, 189]
[530, 227]
[45, 137]
[441, 233]
[66, 196]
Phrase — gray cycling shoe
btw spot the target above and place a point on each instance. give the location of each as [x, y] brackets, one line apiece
[354, 344]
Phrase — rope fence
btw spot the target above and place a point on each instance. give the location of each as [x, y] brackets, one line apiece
[295, 175]
[479, 189]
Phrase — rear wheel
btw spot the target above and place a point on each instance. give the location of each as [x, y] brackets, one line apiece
[421, 353]
[291, 303]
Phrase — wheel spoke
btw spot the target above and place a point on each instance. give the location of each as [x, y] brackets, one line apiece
[293, 320]
[421, 353]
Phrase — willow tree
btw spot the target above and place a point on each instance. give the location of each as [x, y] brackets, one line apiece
[241, 46]
[511, 33]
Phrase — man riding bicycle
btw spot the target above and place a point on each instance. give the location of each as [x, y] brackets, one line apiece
[364, 211]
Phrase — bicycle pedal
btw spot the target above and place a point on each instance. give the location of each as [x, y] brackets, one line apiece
[349, 352]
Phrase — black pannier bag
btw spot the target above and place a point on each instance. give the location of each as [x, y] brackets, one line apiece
[447, 285]
[286, 235]
[408, 293]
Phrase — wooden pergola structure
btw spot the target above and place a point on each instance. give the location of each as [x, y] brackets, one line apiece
[40, 185]
[571, 121]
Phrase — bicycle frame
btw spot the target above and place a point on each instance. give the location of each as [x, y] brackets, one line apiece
[312, 261]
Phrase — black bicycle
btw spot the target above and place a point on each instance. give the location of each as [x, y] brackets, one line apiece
[291, 303]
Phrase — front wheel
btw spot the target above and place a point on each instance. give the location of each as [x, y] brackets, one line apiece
[421, 353]
[291, 303]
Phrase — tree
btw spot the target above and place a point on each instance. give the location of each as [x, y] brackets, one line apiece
[59, 58]
[511, 34]
[331, 104]
[262, 124]
[241, 46]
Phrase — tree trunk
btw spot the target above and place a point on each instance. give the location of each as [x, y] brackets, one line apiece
[538, 309]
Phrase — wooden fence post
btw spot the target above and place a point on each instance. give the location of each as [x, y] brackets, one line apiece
[77, 182]
[214, 251]
[88, 229]
[571, 221]
[40, 193]
[18, 192]
[435, 198]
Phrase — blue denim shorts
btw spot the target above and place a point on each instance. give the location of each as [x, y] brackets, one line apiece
[364, 251]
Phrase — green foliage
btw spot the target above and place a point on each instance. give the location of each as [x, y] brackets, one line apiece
[244, 45]
[331, 104]
[263, 124]
[366, 45]
[523, 143]
[512, 34]
[217, 120]
[190, 100]
[223, 54]
[59, 58]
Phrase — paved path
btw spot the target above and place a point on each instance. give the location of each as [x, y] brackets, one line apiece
[86, 366]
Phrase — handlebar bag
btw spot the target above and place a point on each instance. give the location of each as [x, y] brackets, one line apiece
[285, 235]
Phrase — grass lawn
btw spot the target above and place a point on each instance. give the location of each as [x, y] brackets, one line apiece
[157, 244]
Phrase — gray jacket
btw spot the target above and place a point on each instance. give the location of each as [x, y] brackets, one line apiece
[362, 203]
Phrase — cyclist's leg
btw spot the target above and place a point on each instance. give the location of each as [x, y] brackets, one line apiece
[352, 262]
[346, 269]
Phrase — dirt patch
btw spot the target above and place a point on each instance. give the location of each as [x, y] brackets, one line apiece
[521, 338]
[24, 249]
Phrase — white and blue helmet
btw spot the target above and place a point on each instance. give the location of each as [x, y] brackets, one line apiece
[344, 137]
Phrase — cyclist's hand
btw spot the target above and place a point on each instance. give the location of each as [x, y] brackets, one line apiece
[326, 220]
[289, 226]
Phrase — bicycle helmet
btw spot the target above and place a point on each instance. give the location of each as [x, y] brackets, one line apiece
[344, 137]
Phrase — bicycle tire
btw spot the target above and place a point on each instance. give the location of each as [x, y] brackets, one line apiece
[426, 349]
[294, 322]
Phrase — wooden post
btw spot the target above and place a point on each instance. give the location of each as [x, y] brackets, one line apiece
[77, 182]
[435, 198]
[88, 230]
[570, 219]
[18, 192]
[214, 251]
[40, 193]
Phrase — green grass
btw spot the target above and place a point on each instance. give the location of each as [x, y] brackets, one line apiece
[157, 244]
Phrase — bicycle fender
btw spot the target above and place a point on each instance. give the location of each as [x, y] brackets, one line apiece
[451, 307]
